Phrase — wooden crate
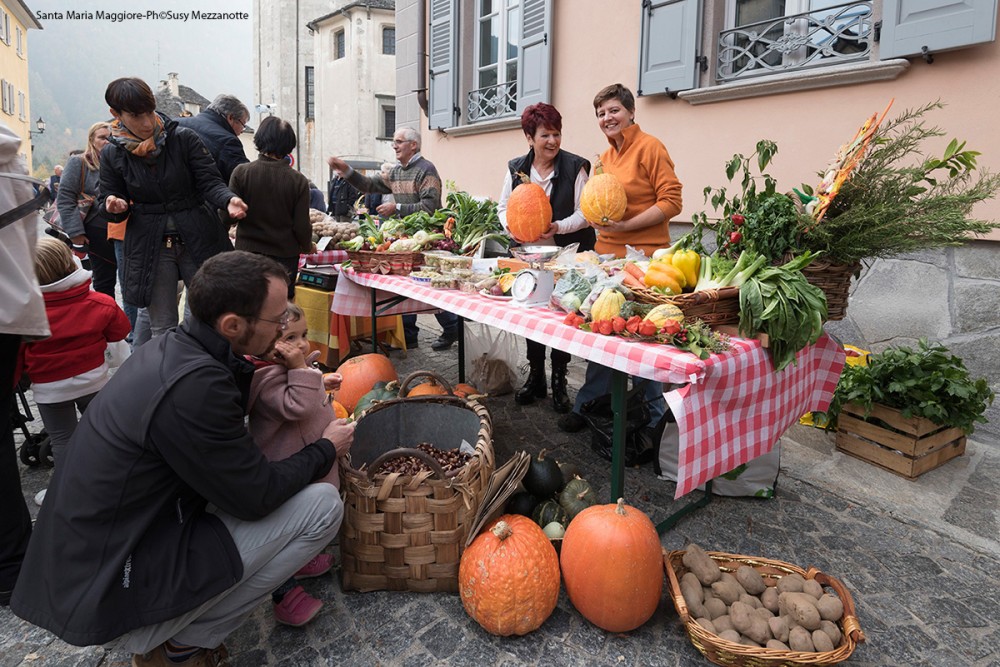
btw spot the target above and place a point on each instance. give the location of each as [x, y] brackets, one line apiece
[913, 446]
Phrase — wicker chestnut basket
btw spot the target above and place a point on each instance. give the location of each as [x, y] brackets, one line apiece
[407, 532]
[395, 263]
[712, 306]
[723, 652]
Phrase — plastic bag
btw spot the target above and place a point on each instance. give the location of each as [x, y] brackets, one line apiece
[492, 357]
[116, 353]
[612, 282]
[570, 292]
[639, 443]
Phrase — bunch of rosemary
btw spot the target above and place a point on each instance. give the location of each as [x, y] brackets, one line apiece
[891, 205]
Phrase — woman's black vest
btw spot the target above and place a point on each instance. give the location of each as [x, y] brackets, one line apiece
[567, 167]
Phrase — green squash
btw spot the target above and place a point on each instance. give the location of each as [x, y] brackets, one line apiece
[382, 391]
[549, 511]
[577, 496]
[543, 479]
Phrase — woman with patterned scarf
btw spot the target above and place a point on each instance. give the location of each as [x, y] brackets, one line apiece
[161, 177]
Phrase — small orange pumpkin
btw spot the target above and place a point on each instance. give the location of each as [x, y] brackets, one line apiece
[529, 212]
[509, 577]
[339, 411]
[603, 198]
[612, 565]
[359, 376]
[429, 388]
[464, 390]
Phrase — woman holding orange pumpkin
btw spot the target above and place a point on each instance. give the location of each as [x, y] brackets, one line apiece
[561, 175]
[641, 164]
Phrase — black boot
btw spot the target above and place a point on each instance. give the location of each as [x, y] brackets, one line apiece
[560, 400]
[533, 388]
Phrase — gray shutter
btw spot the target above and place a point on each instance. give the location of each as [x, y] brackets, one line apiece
[910, 25]
[534, 62]
[443, 64]
[669, 43]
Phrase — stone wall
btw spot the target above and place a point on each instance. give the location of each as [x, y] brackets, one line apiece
[949, 295]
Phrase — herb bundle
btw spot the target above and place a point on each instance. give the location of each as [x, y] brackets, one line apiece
[927, 382]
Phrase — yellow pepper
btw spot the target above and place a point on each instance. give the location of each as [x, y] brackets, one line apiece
[663, 274]
[688, 261]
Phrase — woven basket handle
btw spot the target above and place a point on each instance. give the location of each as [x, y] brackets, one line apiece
[404, 386]
[406, 451]
[851, 624]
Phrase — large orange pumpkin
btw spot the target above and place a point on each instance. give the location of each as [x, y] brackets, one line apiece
[360, 375]
[612, 566]
[603, 198]
[529, 212]
[429, 388]
[509, 577]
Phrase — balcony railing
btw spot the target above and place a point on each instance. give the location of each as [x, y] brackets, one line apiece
[493, 102]
[823, 37]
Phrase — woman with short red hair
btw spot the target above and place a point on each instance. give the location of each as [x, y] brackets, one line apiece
[561, 175]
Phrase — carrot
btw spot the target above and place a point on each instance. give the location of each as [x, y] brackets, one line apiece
[631, 281]
[633, 270]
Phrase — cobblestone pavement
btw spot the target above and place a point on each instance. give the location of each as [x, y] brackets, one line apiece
[924, 597]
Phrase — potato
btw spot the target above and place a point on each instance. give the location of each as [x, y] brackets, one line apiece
[801, 607]
[791, 583]
[779, 627]
[769, 598]
[832, 630]
[730, 635]
[750, 600]
[723, 623]
[704, 568]
[689, 579]
[727, 591]
[707, 624]
[800, 639]
[830, 607]
[764, 612]
[715, 607]
[750, 579]
[748, 623]
[776, 645]
[813, 588]
[821, 641]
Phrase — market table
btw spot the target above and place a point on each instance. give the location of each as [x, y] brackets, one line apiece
[731, 408]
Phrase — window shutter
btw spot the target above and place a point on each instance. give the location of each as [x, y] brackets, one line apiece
[534, 63]
[669, 43]
[443, 64]
[910, 25]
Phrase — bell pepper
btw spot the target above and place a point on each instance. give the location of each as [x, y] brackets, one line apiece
[664, 274]
[688, 261]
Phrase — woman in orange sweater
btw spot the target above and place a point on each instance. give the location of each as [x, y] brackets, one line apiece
[641, 163]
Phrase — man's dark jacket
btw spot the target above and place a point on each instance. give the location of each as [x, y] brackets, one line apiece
[166, 192]
[215, 131]
[123, 539]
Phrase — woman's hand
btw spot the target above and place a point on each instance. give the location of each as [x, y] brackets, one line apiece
[341, 433]
[237, 208]
[115, 205]
[331, 381]
[549, 233]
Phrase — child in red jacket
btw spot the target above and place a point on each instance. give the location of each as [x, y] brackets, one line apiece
[69, 368]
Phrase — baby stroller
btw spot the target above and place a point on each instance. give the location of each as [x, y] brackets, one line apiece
[36, 449]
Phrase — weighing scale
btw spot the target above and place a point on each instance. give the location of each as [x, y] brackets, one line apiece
[533, 286]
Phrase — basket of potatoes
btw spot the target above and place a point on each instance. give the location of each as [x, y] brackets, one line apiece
[337, 231]
[743, 610]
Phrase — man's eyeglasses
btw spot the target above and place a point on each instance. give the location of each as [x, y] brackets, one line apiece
[282, 322]
[400, 142]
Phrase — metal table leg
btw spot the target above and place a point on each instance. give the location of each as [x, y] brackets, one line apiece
[460, 330]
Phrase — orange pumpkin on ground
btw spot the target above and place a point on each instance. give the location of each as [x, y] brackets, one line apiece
[339, 411]
[465, 390]
[359, 376]
[509, 577]
[603, 198]
[529, 212]
[612, 565]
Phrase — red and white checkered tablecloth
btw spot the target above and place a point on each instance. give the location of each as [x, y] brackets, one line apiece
[323, 258]
[732, 409]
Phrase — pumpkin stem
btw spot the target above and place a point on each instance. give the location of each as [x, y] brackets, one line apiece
[541, 455]
[524, 177]
[598, 167]
[621, 507]
[502, 530]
